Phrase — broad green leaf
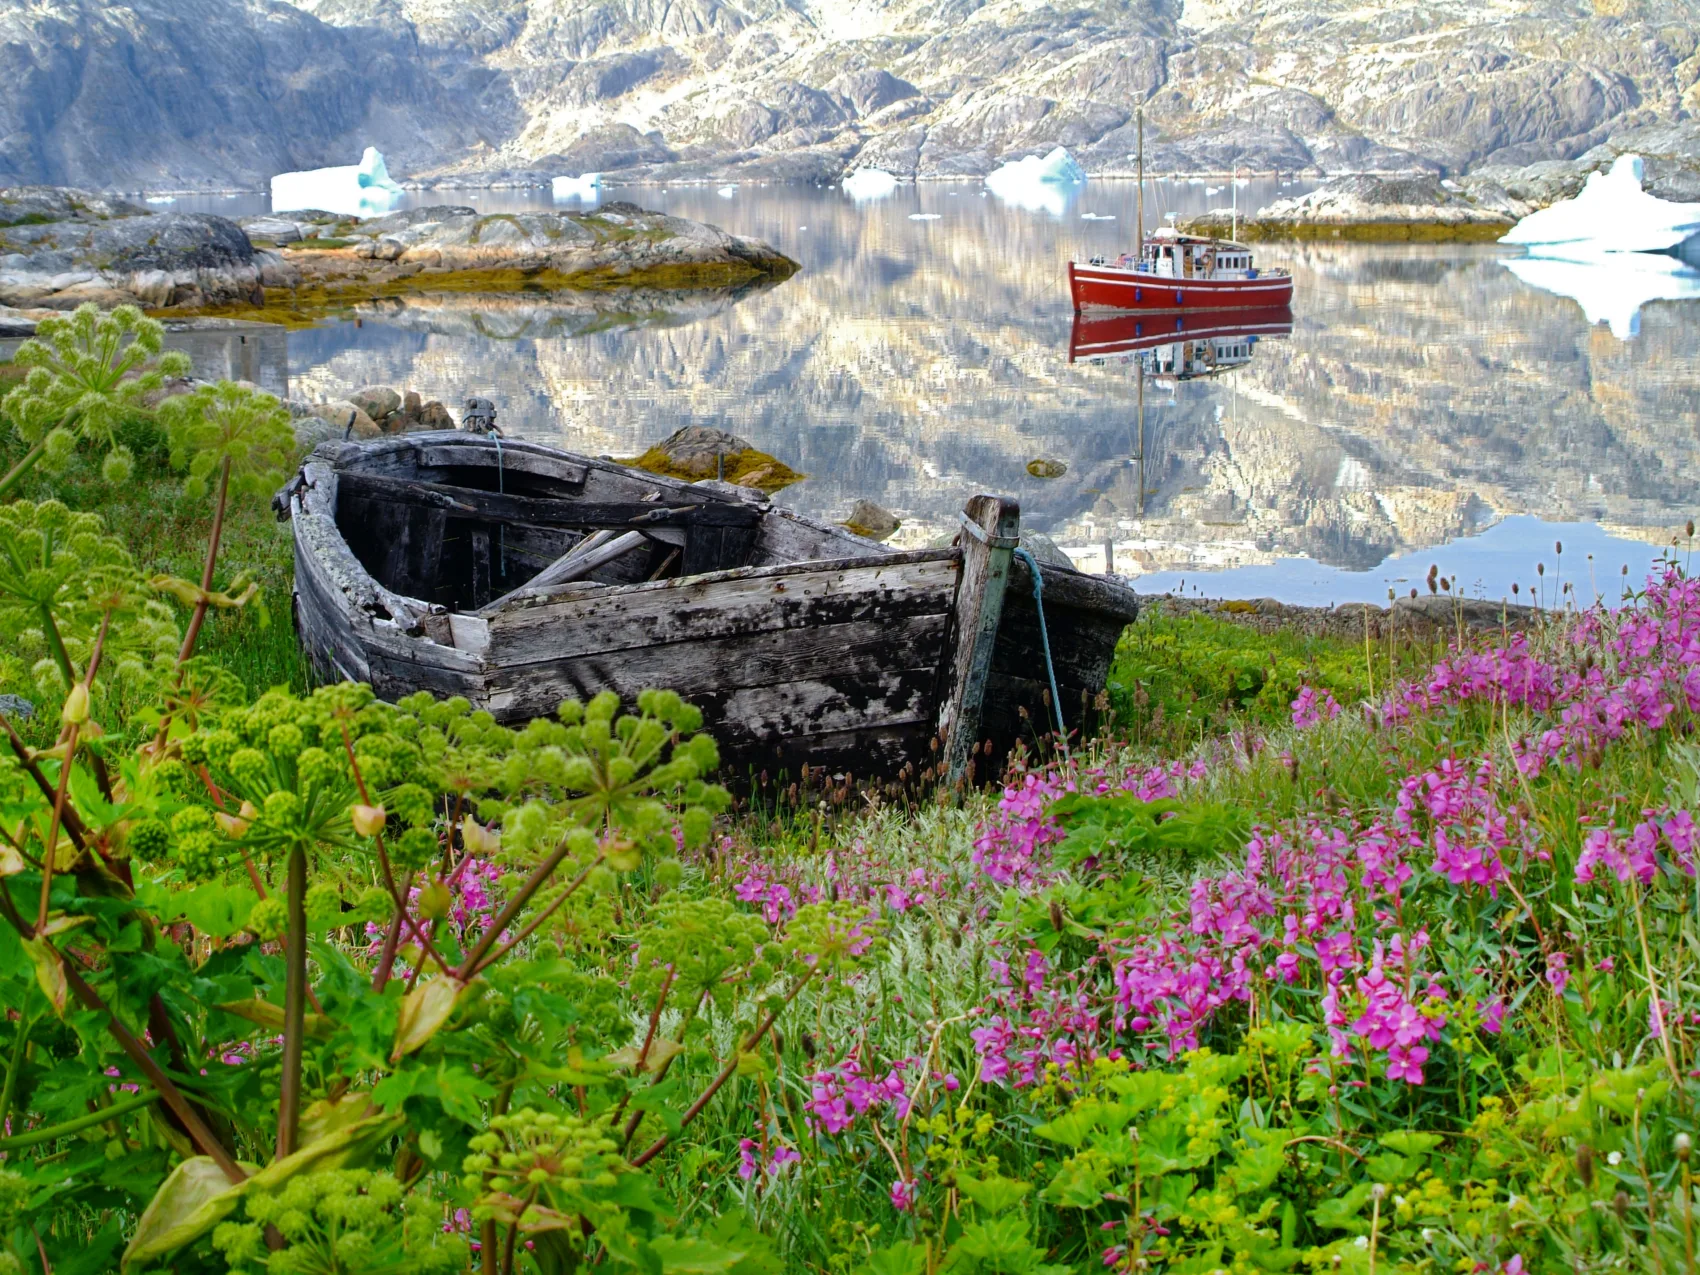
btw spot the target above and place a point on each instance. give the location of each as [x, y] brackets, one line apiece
[1409, 1142]
[994, 1194]
[195, 1198]
[687, 1256]
[899, 1259]
[49, 972]
[268, 1014]
[423, 1010]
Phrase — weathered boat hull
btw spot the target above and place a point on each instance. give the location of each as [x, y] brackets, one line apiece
[819, 648]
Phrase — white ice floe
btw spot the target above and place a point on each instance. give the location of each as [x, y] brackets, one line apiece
[353, 190]
[1212, 190]
[1611, 214]
[1097, 216]
[162, 199]
[1612, 291]
[1042, 183]
[726, 192]
[924, 216]
[1610, 249]
[869, 183]
[585, 188]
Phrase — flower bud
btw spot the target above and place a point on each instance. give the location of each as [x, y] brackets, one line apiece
[76, 710]
[1684, 1147]
[231, 825]
[435, 901]
[1585, 1164]
[368, 821]
[478, 839]
[1620, 1205]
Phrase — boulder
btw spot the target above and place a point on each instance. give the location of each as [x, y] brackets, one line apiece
[433, 415]
[279, 230]
[700, 451]
[338, 412]
[310, 431]
[378, 402]
[871, 520]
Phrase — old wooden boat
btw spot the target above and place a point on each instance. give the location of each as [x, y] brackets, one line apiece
[518, 575]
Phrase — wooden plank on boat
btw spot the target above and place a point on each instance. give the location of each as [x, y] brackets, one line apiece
[991, 528]
[726, 604]
[784, 536]
[595, 551]
[501, 507]
[865, 751]
[754, 659]
[737, 716]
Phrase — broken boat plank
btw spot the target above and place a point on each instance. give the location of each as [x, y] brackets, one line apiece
[502, 507]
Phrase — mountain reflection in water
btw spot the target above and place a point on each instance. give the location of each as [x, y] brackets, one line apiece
[1424, 394]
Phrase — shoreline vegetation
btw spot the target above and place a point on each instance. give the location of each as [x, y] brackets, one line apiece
[1345, 952]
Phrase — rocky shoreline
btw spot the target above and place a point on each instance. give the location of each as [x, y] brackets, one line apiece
[60, 248]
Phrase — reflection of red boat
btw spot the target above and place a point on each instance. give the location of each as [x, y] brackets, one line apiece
[1179, 272]
[1181, 346]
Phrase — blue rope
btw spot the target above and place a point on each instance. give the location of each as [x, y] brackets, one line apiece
[501, 528]
[1045, 641]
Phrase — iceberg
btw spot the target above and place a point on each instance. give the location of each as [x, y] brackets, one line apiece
[924, 216]
[1612, 288]
[1040, 183]
[869, 183]
[1612, 249]
[353, 190]
[586, 188]
[726, 192]
[1611, 214]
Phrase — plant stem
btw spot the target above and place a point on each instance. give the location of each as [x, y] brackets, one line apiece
[17, 1065]
[539, 876]
[200, 616]
[47, 1133]
[294, 1003]
[73, 825]
[655, 1148]
[48, 852]
[16, 473]
[544, 915]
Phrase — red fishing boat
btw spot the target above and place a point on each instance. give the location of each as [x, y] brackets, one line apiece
[1179, 272]
[1173, 271]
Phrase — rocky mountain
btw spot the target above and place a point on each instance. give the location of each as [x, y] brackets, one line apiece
[159, 93]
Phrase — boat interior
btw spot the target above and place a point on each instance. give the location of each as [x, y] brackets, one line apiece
[462, 523]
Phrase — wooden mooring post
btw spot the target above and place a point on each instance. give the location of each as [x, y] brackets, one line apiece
[991, 528]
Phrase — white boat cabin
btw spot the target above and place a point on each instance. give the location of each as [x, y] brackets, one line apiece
[1171, 255]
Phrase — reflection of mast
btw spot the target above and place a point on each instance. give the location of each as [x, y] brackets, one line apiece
[1139, 455]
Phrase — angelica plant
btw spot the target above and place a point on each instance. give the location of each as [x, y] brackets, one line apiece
[88, 373]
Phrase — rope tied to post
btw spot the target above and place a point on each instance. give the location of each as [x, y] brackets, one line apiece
[1032, 564]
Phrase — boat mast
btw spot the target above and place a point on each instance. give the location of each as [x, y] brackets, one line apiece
[1234, 182]
[1139, 201]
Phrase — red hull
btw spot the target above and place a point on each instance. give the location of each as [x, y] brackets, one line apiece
[1107, 288]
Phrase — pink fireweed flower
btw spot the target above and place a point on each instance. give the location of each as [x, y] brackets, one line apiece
[903, 1194]
[1558, 972]
[1311, 708]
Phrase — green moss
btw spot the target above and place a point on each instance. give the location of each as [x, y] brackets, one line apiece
[748, 468]
[325, 299]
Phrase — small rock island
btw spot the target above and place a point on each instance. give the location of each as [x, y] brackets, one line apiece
[60, 248]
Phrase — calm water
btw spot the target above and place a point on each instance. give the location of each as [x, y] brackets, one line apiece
[1426, 406]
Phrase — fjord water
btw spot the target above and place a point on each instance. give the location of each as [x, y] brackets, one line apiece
[1428, 406]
